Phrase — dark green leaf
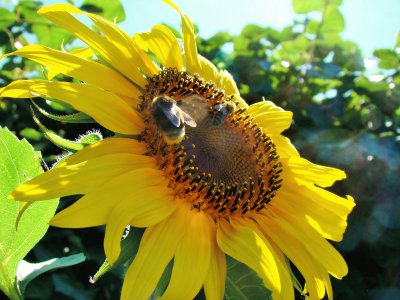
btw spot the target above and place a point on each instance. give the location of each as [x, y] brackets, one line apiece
[363, 82]
[242, 283]
[18, 163]
[72, 289]
[347, 55]
[28, 10]
[112, 10]
[163, 283]
[29, 271]
[371, 117]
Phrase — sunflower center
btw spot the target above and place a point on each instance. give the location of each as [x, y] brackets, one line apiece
[215, 155]
[221, 152]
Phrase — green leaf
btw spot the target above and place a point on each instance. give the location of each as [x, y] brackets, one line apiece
[363, 82]
[299, 45]
[75, 290]
[333, 20]
[18, 163]
[396, 117]
[112, 10]
[371, 117]
[302, 7]
[388, 58]
[312, 26]
[164, 280]
[50, 35]
[242, 283]
[28, 10]
[31, 134]
[306, 6]
[29, 271]
[7, 18]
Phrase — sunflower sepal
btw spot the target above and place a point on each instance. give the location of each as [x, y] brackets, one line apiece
[129, 247]
[78, 117]
[63, 143]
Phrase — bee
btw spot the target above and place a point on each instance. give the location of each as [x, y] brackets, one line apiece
[222, 111]
[170, 119]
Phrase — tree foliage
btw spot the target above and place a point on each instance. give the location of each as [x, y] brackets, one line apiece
[345, 115]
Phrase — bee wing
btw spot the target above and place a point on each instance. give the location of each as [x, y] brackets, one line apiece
[172, 113]
[219, 106]
[188, 119]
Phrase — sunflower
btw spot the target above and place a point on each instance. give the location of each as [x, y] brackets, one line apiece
[205, 174]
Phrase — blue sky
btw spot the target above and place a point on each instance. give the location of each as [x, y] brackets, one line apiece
[371, 24]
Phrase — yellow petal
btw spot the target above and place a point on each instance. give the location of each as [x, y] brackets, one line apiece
[323, 210]
[79, 178]
[304, 171]
[106, 108]
[189, 41]
[285, 270]
[157, 248]
[327, 283]
[270, 117]
[330, 226]
[295, 250]
[284, 147]
[331, 201]
[105, 147]
[222, 79]
[214, 284]
[156, 202]
[208, 71]
[263, 107]
[195, 63]
[317, 246]
[94, 208]
[119, 57]
[85, 52]
[123, 41]
[286, 291]
[192, 258]
[82, 69]
[245, 245]
[228, 83]
[162, 42]
[274, 122]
